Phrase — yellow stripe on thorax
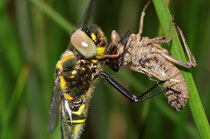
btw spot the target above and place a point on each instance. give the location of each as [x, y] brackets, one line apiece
[62, 83]
[59, 64]
[68, 96]
[65, 56]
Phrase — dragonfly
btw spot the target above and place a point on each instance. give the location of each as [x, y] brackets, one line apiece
[78, 68]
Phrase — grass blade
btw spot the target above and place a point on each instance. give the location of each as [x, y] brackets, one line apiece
[194, 100]
[68, 27]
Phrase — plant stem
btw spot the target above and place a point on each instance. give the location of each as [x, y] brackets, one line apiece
[177, 51]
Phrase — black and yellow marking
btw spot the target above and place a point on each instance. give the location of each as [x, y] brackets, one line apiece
[74, 84]
[93, 36]
[73, 81]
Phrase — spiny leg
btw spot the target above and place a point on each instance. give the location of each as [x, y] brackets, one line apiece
[141, 23]
[159, 40]
[126, 93]
[141, 95]
[192, 61]
[181, 63]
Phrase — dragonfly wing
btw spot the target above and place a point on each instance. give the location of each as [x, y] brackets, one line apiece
[66, 128]
[87, 14]
[54, 107]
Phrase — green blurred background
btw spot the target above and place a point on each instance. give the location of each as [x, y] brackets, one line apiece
[31, 43]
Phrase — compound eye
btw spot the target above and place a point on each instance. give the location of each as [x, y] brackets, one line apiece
[83, 43]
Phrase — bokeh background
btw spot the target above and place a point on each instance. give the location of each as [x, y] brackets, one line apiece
[31, 42]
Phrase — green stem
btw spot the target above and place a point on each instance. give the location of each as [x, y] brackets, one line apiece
[177, 51]
[68, 27]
